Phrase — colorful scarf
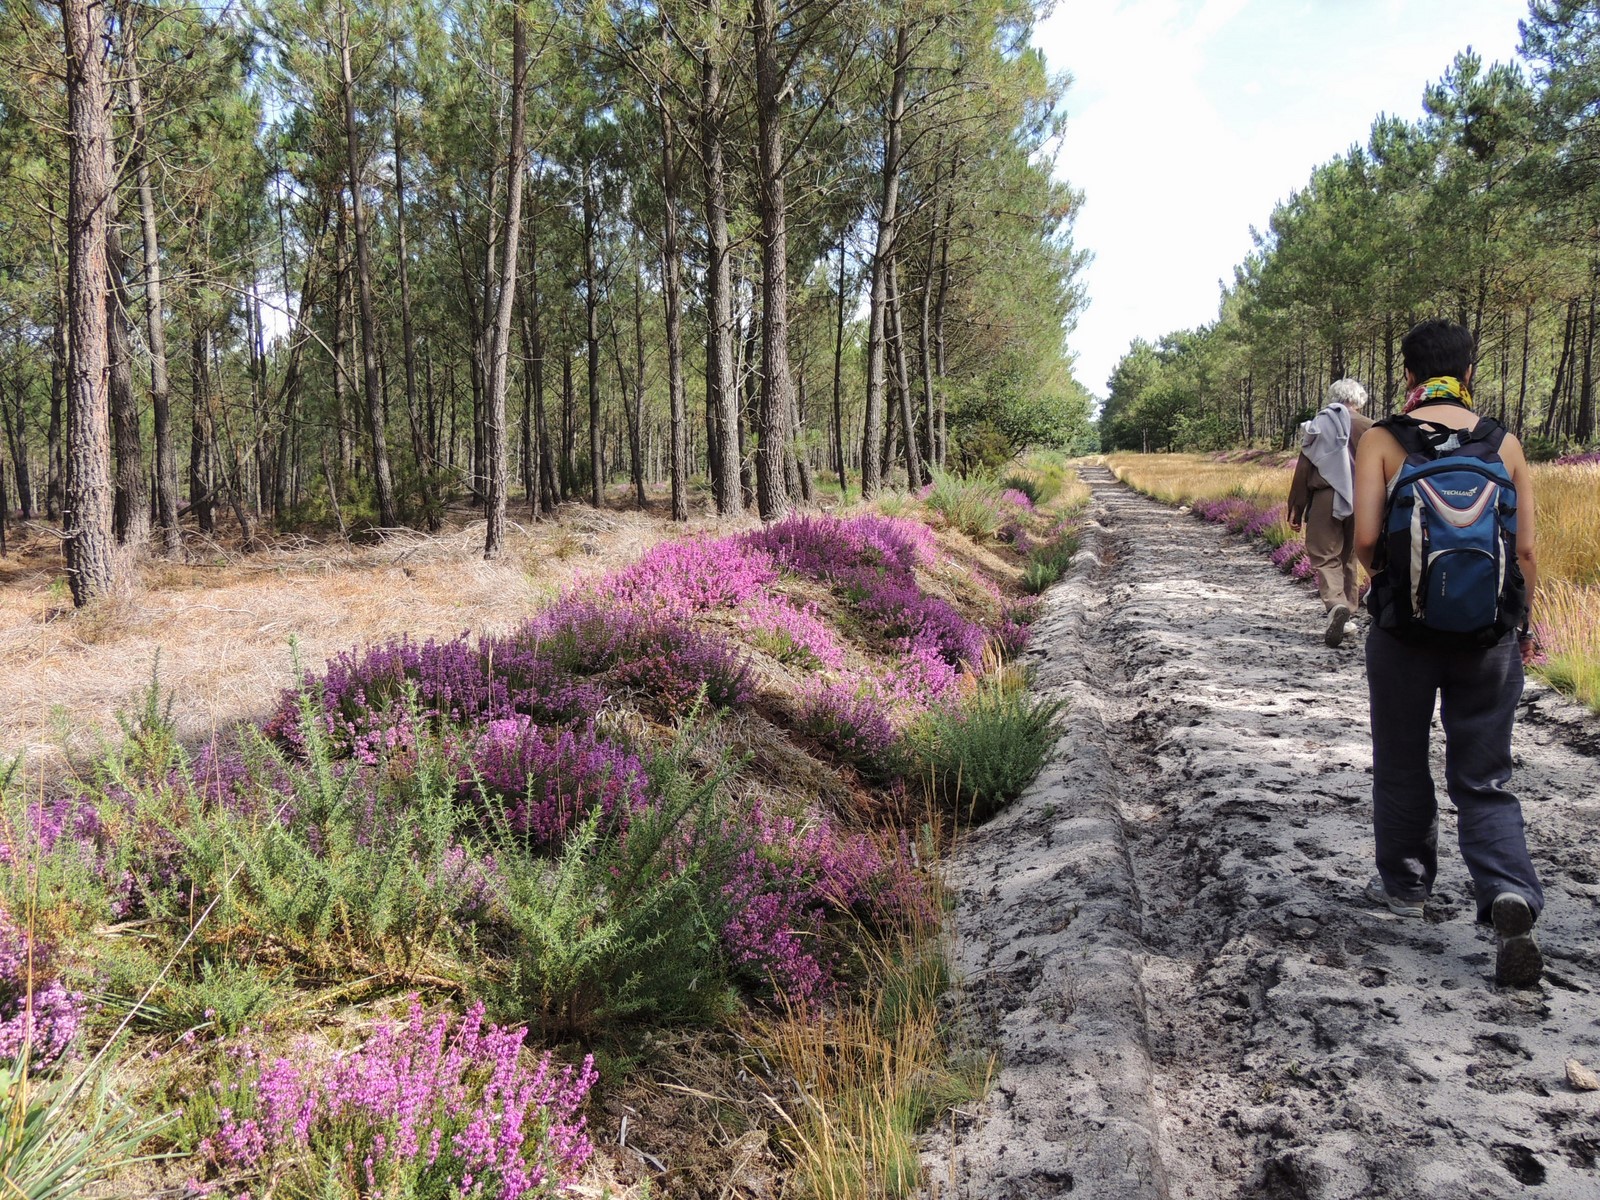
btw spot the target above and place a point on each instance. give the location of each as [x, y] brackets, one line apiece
[1445, 389]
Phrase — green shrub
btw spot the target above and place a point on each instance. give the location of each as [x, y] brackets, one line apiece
[1028, 485]
[1538, 448]
[971, 505]
[624, 926]
[204, 989]
[979, 758]
[1038, 576]
[347, 869]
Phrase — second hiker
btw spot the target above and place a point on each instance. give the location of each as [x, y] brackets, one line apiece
[1321, 497]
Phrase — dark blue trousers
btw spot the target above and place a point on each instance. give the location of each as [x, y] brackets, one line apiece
[1477, 692]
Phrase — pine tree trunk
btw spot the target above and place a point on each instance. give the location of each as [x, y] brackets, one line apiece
[838, 384]
[55, 466]
[547, 490]
[131, 506]
[494, 539]
[591, 317]
[89, 543]
[1583, 424]
[722, 388]
[1522, 386]
[672, 314]
[902, 379]
[387, 514]
[15, 420]
[200, 430]
[636, 423]
[777, 383]
[569, 423]
[883, 250]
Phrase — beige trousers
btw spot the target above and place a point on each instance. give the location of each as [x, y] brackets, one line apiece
[1331, 547]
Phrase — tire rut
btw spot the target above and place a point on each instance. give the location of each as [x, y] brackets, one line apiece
[1165, 936]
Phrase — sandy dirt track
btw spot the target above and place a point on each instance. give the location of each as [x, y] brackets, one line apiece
[1165, 936]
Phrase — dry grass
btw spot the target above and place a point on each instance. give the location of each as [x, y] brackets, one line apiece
[1567, 618]
[223, 625]
[867, 1077]
[1569, 523]
[1185, 478]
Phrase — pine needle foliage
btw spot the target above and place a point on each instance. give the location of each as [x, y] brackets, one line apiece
[625, 924]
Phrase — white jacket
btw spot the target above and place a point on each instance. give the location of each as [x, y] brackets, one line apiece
[1325, 440]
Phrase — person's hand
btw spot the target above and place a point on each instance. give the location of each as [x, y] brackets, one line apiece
[1295, 519]
[1530, 648]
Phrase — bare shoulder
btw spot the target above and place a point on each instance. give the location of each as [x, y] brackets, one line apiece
[1378, 442]
[1511, 444]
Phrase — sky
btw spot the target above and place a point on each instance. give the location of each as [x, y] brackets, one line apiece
[1189, 119]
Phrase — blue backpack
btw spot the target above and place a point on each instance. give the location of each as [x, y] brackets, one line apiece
[1447, 559]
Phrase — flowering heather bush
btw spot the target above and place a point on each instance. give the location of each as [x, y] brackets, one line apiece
[1226, 511]
[871, 561]
[1290, 558]
[789, 876]
[554, 670]
[1013, 636]
[363, 696]
[1264, 519]
[1018, 498]
[817, 547]
[673, 664]
[45, 1018]
[852, 721]
[1588, 458]
[553, 777]
[420, 1110]
[791, 632]
[694, 575]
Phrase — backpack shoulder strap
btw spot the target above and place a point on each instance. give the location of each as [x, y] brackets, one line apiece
[1488, 431]
[1416, 438]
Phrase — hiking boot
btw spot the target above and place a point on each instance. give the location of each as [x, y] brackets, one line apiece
[1375, 892]
[1338, 617]
[1517, 961]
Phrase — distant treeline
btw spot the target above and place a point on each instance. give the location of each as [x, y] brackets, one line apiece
[1487, 211]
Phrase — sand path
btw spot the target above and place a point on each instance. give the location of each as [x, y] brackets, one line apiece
[1166, 941]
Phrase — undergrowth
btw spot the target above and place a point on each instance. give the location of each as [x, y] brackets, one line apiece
[546, 833]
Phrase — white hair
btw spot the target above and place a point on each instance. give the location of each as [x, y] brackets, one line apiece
[1347, 392]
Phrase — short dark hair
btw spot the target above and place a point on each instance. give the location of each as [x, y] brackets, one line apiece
[1438, 347]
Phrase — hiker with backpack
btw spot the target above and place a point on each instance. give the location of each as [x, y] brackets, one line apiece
[1321, 498]
[1444, 522]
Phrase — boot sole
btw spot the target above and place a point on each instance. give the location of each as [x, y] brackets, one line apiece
[1337, 620]
[1518, 960]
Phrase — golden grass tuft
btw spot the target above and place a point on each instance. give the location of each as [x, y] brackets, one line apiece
[1569, 518]
[868, 1077]
[1567, 620]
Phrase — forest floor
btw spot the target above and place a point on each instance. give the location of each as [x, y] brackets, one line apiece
[222, 621]
[1166, 939]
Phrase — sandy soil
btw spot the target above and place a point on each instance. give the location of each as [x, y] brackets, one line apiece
[1166, 940]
